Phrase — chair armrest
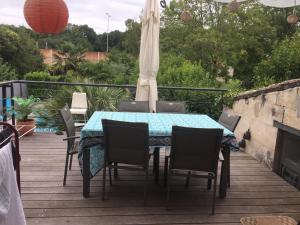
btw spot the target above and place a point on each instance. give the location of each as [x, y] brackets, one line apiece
[79, 125]
[221, 157]
[168, 152]
[70, 138]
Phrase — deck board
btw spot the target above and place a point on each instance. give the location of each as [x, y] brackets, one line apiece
[255, 190]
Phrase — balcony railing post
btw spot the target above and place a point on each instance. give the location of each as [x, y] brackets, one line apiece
[12, 94]
[4, 103]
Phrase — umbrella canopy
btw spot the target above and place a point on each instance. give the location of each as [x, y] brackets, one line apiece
[272, 3]
[280, 3]
[228, 1]
[149, 55]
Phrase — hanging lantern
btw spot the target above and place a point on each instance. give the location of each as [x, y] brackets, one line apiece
[233, 6]
[292, 19]
[186, 16]
[46, 16]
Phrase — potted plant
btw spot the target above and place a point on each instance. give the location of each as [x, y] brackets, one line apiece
[22, 110]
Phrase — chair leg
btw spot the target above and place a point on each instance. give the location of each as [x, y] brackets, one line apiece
[103, 181]
[214, 195]
[168, 189]
[187, 181]
[66, 169]
[208, 183]
[116, 170]
[71, 159]
[166, 171]
[109, 172]
[146, 186]
[228, 178]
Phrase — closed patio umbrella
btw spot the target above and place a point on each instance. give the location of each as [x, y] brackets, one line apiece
[149, 55]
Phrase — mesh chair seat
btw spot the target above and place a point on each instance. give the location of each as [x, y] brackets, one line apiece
[126, 143]
[133, 106]
[197, 150]
[229, 121]
[79, 105]
[170, 107]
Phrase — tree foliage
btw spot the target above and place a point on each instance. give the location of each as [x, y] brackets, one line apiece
[253, 40]
[19, 50]
[7, 72]
[282, 64]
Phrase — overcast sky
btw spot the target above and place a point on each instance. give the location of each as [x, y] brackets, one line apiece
[90, 12]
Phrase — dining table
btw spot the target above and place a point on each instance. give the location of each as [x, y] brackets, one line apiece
[91, 150]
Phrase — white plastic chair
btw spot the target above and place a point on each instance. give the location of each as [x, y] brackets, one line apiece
[79, 106]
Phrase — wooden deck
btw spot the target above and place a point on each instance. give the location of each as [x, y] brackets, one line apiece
[254, 191]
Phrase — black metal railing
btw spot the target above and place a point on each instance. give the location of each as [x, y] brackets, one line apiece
[199, 100]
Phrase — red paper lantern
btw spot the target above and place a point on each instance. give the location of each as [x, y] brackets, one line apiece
[46, 16]
[233, 6]
[185, 16]
[292, 19]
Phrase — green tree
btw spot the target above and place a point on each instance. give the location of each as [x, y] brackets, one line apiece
[7, 73]
[69, 57]
[77, 35]
[132, 37]
[282, 64]
[218, 38]
[18, 49]
[115, 40]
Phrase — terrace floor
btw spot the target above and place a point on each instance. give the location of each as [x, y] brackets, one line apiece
[255, 190]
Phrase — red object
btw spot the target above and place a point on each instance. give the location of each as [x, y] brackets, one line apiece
[292, 19]
[46, 16]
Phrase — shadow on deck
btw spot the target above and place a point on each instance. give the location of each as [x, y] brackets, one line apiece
[255, 190]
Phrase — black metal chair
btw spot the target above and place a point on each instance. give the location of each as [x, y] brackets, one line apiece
[229, 121]
[133, 106]
[170, 107]
[72, 145]
[195, 151]
[126, 145]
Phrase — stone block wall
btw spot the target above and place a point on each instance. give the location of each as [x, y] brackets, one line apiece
[258, 109]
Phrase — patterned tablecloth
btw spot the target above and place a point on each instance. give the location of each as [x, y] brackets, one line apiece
[160, 130]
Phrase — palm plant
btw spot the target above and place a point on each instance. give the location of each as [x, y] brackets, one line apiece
[25, 106]
[99, 98]
[69, 57]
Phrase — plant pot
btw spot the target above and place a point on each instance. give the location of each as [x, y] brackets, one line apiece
[24, 127]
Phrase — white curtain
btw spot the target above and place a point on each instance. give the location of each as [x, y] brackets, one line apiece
[149, 55]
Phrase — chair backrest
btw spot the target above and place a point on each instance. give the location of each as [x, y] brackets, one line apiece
[133, 106]
[170, 107]
[69, 124]
[195, 148]
[79, 100]
[229, 121]
[126, 142]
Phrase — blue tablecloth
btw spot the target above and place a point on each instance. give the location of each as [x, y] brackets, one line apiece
[160, 130]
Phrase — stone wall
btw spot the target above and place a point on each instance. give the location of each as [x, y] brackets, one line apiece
[258, 109]
[93, 57]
